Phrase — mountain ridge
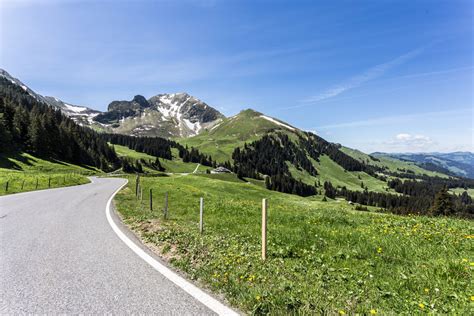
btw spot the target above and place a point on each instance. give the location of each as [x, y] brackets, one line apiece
[165, 115]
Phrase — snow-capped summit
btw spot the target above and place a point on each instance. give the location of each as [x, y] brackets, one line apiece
[164, 115]
[191, 114]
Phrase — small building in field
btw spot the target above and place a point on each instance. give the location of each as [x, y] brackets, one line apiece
[220, 169]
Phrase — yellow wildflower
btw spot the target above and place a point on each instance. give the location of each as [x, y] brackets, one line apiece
[342, 312]
[472, 298]
[427, 290]
[464, 260]
[422, 306]
[373, 312]
[258, 297]
[379, 250]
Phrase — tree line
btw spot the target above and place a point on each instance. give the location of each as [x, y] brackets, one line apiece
[158, 147]
[417, 197]
[153, 146]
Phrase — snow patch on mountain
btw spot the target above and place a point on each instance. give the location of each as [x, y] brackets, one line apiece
[277, 122]
[76, 109]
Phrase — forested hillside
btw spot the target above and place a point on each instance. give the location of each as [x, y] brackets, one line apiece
[27, 124]
[406, 192]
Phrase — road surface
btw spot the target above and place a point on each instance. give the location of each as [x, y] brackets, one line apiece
[59, 254]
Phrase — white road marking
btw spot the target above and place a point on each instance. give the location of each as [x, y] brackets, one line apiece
[188, 287]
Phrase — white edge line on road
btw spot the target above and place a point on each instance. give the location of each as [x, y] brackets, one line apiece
[188, 287]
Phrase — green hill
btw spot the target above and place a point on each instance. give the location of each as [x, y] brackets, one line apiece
[221, 140]
[249, 125]
[20, 172]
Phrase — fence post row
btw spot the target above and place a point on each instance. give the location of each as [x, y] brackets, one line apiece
[264, 229]
[201, 214]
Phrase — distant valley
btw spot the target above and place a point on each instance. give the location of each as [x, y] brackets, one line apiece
[455, 163]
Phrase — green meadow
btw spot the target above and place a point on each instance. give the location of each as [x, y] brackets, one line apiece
[176, 165]
[323, 257]
[22, 172]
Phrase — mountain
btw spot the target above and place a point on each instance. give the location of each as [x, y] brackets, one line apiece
[80, 114]
[455, 163]
[163, 115]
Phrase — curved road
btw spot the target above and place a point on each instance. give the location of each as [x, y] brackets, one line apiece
[58, 254]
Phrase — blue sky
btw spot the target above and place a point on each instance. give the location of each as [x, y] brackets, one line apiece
[373, 75]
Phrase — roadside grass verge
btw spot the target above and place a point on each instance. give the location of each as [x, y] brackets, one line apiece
[323, 257]
[21, 172]
[17, 181]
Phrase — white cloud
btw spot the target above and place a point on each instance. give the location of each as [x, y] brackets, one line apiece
[370, 74]
[400, 119]
[409, 142]
[403, 137]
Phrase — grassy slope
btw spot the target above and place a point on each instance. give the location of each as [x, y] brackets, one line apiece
[22, 171]
[461, 190]
[175, 166]
[330, 171]
[391, 163]
[323, 256]
[231, 133]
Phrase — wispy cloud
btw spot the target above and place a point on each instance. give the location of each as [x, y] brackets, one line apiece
[356, 81]
[397, 119]
[409, 142]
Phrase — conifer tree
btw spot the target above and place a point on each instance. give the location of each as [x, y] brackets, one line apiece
[443, 203]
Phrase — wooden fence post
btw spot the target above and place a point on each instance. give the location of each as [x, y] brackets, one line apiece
[49, 182]
[22, 184]
[36, 188]
[201, 214]
[6, 187]
[165, 210]
[137, 181]
[151, 200]
[264, 229]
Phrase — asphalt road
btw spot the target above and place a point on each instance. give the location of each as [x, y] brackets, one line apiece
[58, 254]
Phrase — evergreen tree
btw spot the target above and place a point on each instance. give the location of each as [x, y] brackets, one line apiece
[443, 203]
